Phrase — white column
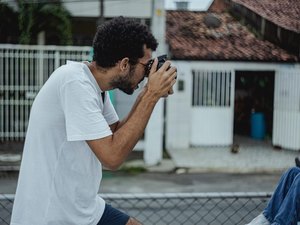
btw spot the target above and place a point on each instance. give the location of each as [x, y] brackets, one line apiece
[154, 131]
[41, 38]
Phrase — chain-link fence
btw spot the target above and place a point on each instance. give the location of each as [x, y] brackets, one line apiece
[6, 203]
[179, 208]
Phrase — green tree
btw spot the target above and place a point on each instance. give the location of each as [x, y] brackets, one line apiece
[52, 18]
[57, 23]
[26, 21]
[8, 26]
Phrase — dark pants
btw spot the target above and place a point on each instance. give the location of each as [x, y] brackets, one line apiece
[112, 216]
[284, 206]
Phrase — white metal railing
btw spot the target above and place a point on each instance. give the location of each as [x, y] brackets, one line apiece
[23, 71]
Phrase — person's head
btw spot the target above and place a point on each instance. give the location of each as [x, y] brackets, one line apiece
[127, 43]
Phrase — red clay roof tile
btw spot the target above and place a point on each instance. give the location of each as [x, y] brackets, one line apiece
[190, 38]
[284, 13]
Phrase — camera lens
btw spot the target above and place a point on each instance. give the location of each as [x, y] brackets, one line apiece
[161, 60]
[148, 67]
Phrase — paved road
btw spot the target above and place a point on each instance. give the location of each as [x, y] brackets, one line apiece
[119, 182]
[191, 182]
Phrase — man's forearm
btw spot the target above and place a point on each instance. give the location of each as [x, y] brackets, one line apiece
[137, 101]
[132, 127]
[114, 149]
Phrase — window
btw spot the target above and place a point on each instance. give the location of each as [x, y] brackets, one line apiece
[211, 88]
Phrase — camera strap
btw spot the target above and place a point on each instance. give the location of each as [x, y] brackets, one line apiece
[103, 96]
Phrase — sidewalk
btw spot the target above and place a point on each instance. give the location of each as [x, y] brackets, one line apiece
[10, 155]
[248, 156]
[252, 157]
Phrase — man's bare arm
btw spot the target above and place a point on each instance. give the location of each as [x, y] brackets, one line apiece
[114, 127]
[114, 149]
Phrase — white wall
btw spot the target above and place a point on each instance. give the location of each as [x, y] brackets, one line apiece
[195, 5]
[286, 120]
[112, 8]
[211, 126]
[179, 109]
[128, 8]
[178, 116]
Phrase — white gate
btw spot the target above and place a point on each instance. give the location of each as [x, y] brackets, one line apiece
[212, 108]
[23, 70]
[286, 122]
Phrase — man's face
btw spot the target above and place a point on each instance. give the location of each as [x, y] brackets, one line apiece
[125, 82]
[129, 81]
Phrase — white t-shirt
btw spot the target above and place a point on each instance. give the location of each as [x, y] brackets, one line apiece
[60, 175]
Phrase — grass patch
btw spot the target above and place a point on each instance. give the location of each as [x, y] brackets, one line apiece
[133, 169]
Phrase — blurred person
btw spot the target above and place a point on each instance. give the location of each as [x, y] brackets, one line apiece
[284, 206]
[74, 130]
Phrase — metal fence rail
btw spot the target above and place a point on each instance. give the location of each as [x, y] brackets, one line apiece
[179, 208]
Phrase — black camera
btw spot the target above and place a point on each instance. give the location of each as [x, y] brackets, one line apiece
[161, 60]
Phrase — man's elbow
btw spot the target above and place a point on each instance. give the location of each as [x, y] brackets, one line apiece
[112, 164]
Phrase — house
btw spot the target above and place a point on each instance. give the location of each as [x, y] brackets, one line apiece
[276, 21]
[226, 74]
[85, 15]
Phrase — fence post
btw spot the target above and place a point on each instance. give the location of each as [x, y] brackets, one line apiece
[154, 132]
[154, 136]
[56, 59]
[41, 68]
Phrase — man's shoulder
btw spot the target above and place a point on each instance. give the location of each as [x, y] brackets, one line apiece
[74, 66]
[72, 71]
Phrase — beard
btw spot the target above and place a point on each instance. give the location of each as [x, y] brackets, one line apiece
[124, 83]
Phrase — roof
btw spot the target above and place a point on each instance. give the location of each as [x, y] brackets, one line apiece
[190, 38]
[218, 6]
[284, 13]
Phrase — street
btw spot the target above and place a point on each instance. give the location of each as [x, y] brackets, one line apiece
[167, 182]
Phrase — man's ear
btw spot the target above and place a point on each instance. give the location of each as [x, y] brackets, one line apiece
[124, 64]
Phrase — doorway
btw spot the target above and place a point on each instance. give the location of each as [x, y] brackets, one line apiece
[254, 93]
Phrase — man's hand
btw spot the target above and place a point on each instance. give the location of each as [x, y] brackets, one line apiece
[160, 82]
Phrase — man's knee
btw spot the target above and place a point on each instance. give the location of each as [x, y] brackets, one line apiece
[297, 181]
[133, 221]
[294, 171]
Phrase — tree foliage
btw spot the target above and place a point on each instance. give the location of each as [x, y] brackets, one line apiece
[26, 21]
[55, 20]
[34, 17]
[9, 24]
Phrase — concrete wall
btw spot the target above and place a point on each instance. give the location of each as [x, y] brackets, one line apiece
[128, 8]
[179, 117]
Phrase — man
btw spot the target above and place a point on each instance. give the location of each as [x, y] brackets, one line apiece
[284, 205]
[74, 130]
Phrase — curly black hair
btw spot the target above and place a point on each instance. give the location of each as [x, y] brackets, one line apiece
[119, 38]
